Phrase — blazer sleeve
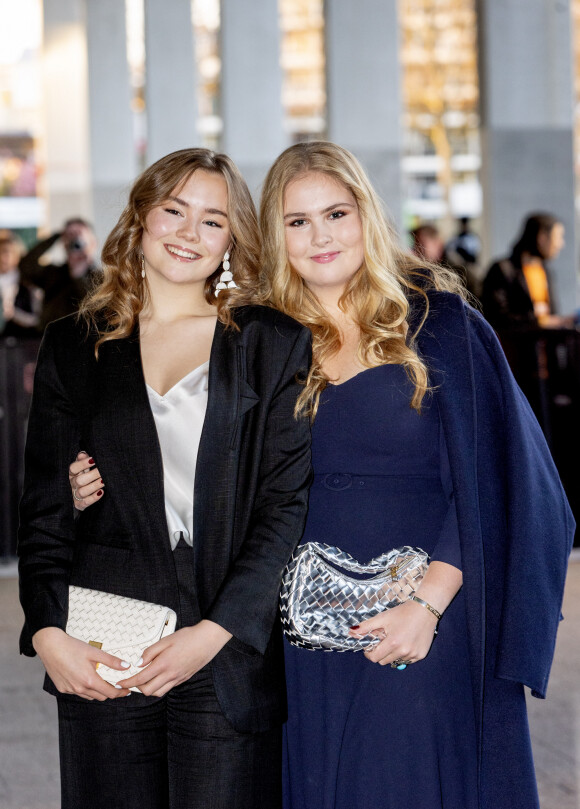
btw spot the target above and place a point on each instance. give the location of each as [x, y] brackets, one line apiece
[247, 602]
[46, 534]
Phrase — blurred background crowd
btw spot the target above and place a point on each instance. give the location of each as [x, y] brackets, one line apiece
[464, 112]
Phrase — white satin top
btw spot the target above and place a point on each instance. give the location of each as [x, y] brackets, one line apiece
[179, 417]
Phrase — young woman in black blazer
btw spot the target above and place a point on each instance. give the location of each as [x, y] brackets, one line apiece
[205, 729]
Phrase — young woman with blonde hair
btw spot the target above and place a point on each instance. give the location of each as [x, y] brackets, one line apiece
[420, 437]
[184, 393]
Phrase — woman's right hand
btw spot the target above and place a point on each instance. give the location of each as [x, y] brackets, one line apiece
[85, 481]
[71, 664]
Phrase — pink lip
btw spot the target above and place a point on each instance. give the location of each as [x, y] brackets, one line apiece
[325, 258]
[193, 256]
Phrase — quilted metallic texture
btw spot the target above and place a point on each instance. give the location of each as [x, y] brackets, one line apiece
[319, 601]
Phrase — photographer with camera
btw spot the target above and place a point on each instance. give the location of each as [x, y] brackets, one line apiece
[64, 285]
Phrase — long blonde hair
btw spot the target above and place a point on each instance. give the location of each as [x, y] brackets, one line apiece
[114, 305]
[376, 297]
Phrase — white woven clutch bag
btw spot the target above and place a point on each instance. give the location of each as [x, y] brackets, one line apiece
[121, 626]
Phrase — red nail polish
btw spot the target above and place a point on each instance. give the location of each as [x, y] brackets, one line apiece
[91, 460]
[99, 493]
[356, 626]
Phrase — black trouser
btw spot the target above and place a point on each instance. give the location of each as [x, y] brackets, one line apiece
[177, 752]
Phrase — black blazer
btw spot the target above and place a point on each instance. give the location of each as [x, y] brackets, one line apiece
[250, 495]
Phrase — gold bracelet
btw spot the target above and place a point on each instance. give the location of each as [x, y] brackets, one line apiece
[420, 601]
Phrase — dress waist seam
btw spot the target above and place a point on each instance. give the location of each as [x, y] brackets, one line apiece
[340, 481]
[356, 476]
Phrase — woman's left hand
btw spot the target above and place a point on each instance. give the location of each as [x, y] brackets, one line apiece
[85, 481]
[175, 659]
[407, 632]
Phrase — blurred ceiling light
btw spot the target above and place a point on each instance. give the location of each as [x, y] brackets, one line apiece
[135, 36]
[21, 29]
[206, 14]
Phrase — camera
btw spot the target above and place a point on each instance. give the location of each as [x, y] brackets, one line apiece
[75, 246]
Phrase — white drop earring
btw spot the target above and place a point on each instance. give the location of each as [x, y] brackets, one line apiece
[142, 266]
[226, 279]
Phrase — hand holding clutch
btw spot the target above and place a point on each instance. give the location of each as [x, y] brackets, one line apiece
[175, 659]
[72, 665]
[406, 633]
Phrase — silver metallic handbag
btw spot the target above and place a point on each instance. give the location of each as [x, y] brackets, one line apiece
[319, 602]
[121, 626]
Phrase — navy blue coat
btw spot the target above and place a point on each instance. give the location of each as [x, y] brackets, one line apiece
[516, 531]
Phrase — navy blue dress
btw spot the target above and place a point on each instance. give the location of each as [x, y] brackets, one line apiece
[360, 735]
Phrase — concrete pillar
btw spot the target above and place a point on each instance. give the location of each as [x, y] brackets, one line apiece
[525, 74]
[113, 154]
[170, 83]
[251, 86]
[363, 89]
[66, 156]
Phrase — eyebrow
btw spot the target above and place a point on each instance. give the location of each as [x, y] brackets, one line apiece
[324, 210]
[213, 211]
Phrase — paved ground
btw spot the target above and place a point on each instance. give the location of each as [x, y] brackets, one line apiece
[28, 739]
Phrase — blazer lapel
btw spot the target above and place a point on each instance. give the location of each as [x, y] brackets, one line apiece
[213, 503]
[127, 449]
[218, 464]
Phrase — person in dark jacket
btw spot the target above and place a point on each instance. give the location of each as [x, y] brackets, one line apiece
[184, 391]
[64, 285]
[517, 299]
[428, 244]
[517, 290]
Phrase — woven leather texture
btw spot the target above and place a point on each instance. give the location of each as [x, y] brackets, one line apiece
[124, 626]
[319, 601]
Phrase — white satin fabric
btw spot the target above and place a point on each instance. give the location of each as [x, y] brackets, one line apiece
[179, 417]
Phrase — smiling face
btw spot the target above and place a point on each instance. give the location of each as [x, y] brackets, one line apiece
[185, 238]
[324, 233]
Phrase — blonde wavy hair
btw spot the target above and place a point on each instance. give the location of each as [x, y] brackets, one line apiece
[376, 297]
[113, 306]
